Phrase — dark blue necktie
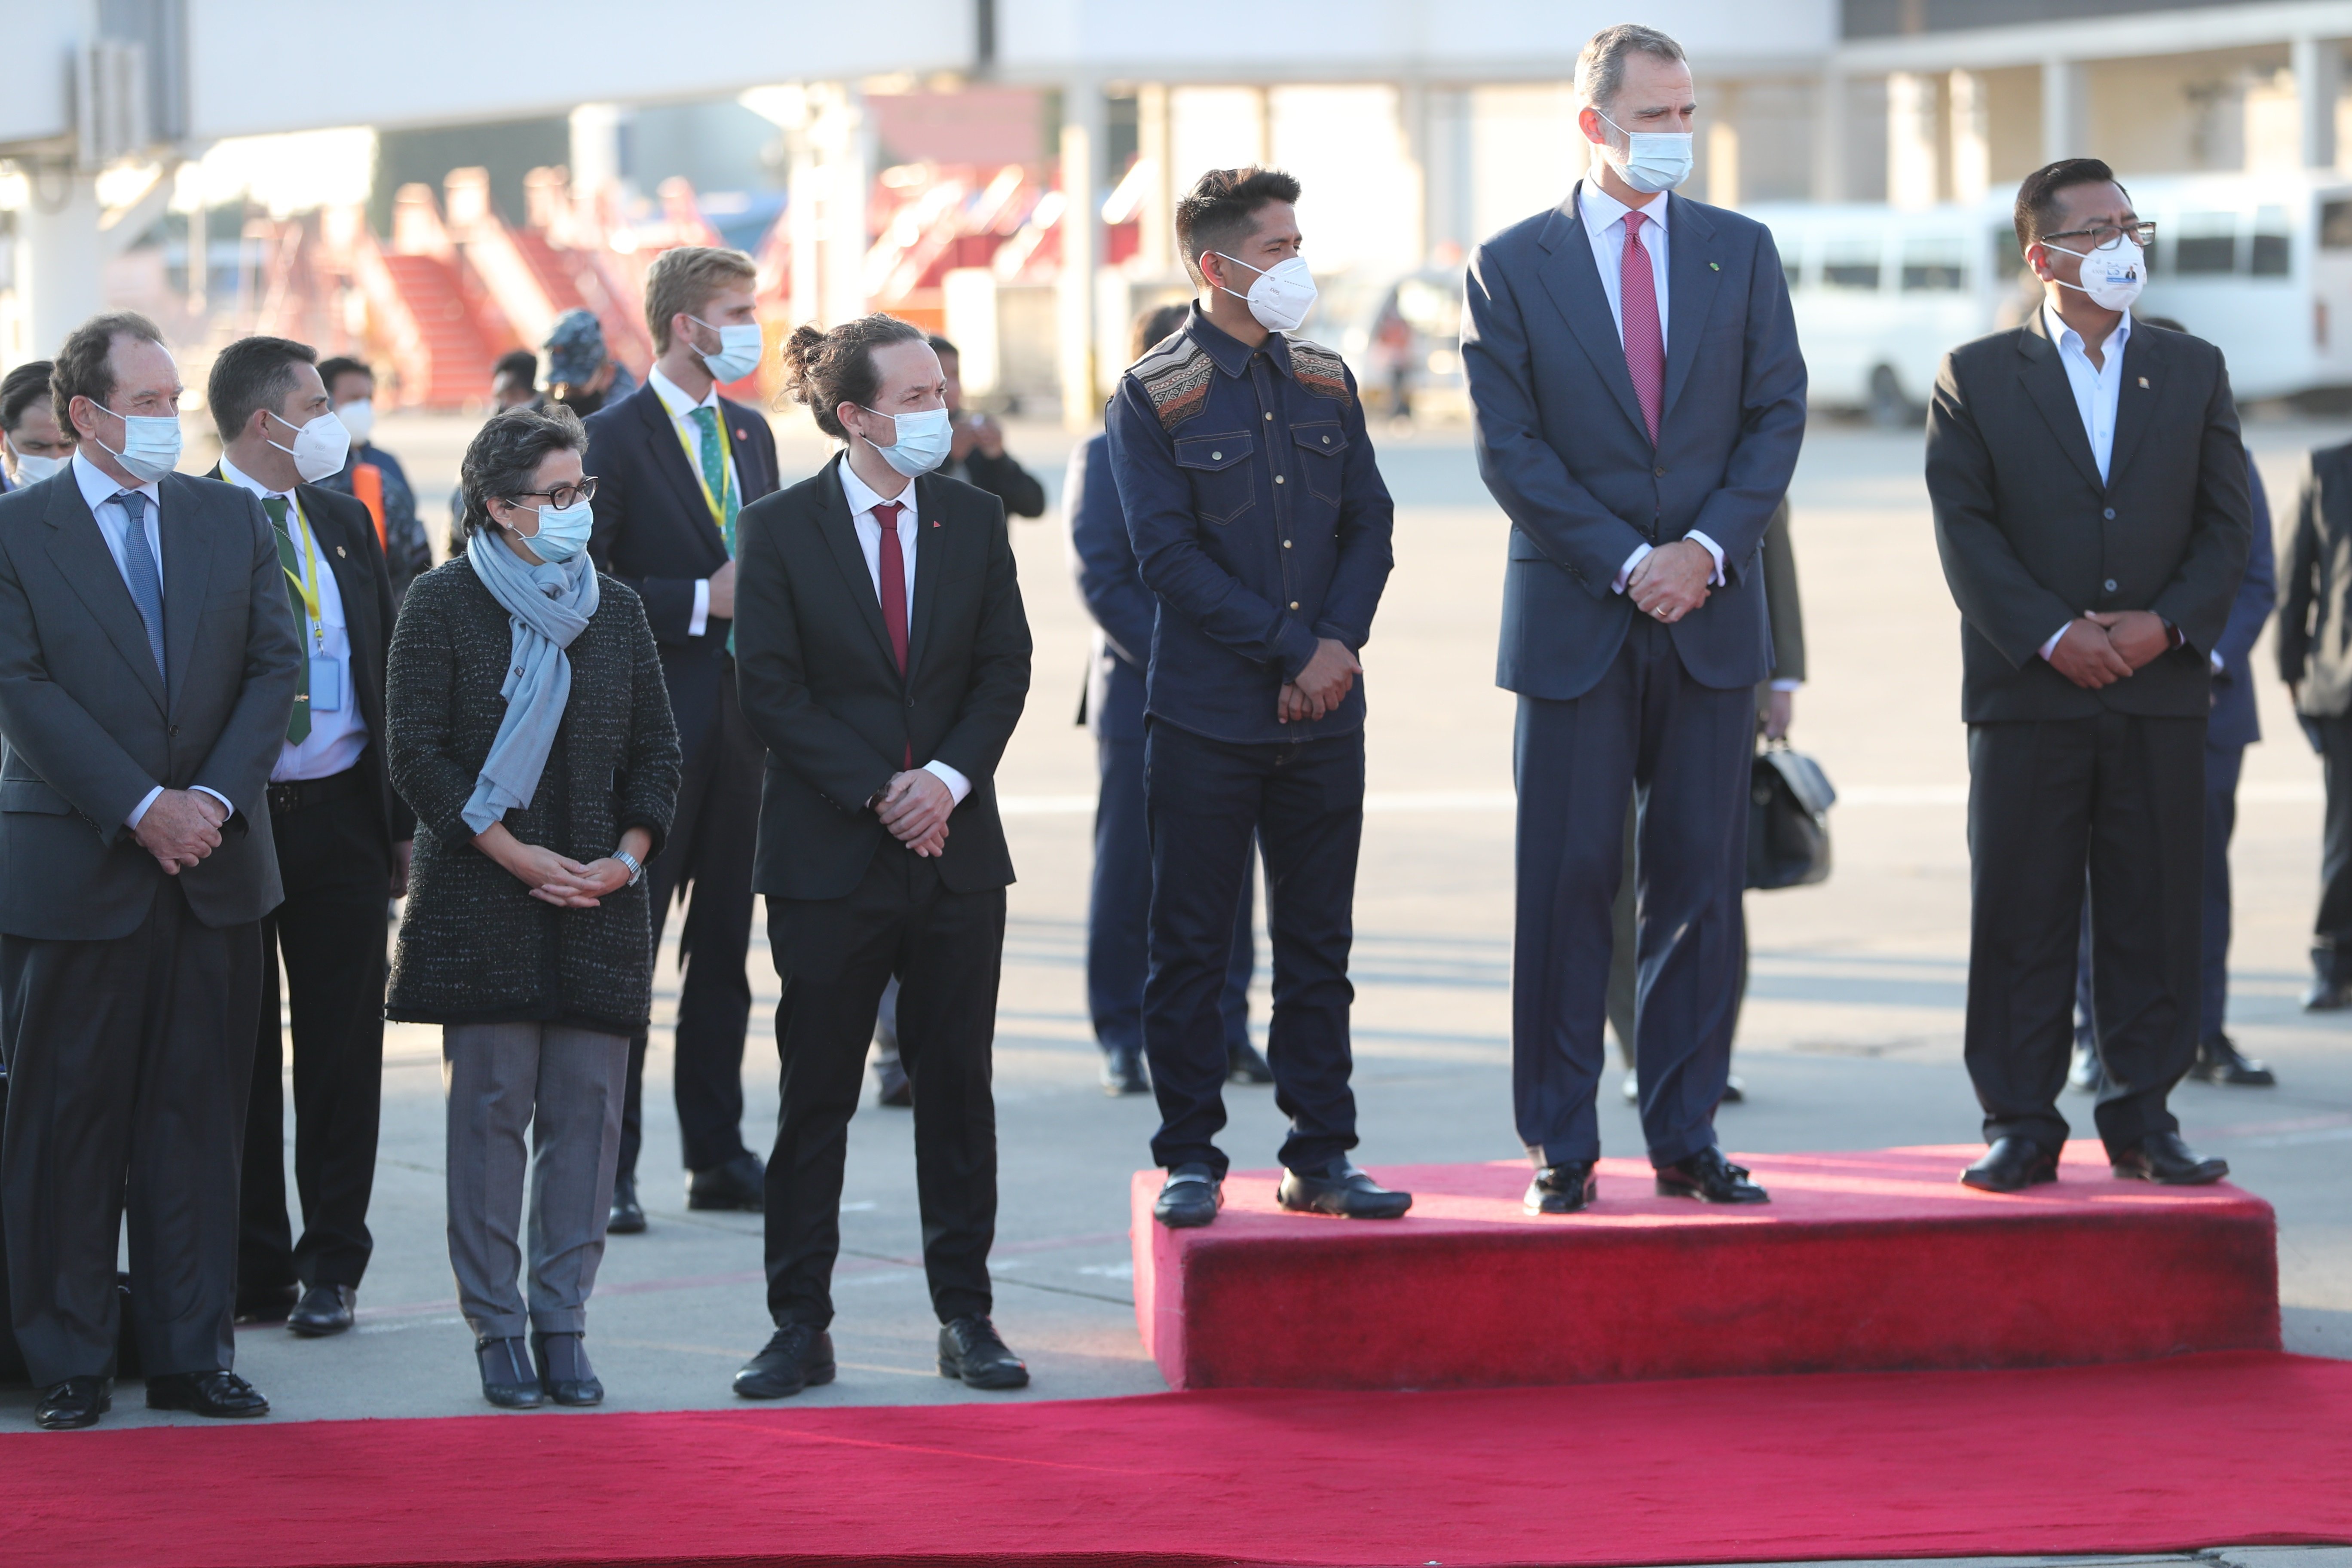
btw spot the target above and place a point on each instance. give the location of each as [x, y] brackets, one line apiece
[139, 571]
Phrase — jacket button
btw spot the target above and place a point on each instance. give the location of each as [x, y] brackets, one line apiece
[1216, 456]
[1269, 418]
[1286, 544]
[1294, 604]
[1277, 478]
[518, 670]
[2109, 514]
[2111, 584]
[910, 702]
[1660, 473]
[176, 731]
[1326, 440]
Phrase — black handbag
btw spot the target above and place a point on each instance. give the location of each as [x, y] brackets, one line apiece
[1788, 799]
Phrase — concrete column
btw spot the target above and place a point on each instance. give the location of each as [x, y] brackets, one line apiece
[1155, 218]
[844, 151]
[1915, 124]
[1971, 147]
[1832, 125]
[2318, 82]
[60, 259]
[1723, 163]
[804, 195]
[2066, 110]
[1083, 119]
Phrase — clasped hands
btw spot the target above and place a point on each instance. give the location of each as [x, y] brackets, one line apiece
[1672, 581]
[2104, 647]
[181, 827]
[1321, 685]
[559, 880]
[914, 807]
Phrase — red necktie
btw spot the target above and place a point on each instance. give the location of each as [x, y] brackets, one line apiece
[893, 590]
[1645, 340]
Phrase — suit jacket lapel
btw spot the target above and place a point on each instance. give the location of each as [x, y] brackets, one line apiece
[187, 570]
[1574, 284]
[930, 550]
[669, 458]
[2044, 377]
[1691, 283]
[2143, 382]
[79, 550]
[841, 534]
[751, 462]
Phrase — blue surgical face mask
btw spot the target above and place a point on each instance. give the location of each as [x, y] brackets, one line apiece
[151, 445]
[1653, 161]
[739, 350]
[562, 531]
[924, 439]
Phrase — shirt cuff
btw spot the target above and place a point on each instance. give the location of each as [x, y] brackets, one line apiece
[958, 786]
[1625, 573]
[1713, 548]
[701, 616]
[132, 821]
[1785, 683]
[2051, 645]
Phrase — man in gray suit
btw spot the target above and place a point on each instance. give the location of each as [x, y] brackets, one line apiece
[148, 663]
[1639, 400]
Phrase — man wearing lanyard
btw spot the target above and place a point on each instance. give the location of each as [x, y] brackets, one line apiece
[674, 464]
[342, 839]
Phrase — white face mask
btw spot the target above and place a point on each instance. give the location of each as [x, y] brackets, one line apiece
[1282, 295]
[358, 418]
[2112, 277]
[151, 445]
[1653, 161]
[319, 449]
[562, 531]
[925, 438]
[32, 469]
[738, 350]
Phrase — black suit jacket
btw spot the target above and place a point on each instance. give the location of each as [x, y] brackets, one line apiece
[822, 691]
[2315, 628]
[655, 532]
[2030, 538]
[92, 726]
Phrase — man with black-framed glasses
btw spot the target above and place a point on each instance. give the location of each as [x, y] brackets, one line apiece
[2090, 495]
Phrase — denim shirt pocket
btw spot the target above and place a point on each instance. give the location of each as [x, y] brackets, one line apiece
[1224, 488]
[1322, 457]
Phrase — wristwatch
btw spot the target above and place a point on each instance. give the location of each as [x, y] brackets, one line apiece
[637, 867]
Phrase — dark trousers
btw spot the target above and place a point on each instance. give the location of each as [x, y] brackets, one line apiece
[708, 854]
[2222, 765]
[129, 1064]
[1304, 801]
[835, 956]
[2331, 934]
[2125, 796]
[1624, 974]
[330, 933]
[1118, 913]
[1682, 750]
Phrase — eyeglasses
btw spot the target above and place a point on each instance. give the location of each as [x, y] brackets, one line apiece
[2105, 236]
[564, 496]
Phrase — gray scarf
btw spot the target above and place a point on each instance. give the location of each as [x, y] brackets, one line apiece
[549, 605]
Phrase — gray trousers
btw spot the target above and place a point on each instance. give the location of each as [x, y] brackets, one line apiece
[564, 1086]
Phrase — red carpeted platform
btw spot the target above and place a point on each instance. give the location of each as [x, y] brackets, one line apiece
[1862, 1262]
[2199, 1451]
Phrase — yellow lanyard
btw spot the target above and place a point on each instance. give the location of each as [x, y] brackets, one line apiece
[718, 504]
[308, 585]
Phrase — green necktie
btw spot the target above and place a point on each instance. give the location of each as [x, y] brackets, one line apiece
[298, 728]
[714, 481]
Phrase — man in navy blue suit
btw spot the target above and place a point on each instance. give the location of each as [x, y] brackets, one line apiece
[1640, 401]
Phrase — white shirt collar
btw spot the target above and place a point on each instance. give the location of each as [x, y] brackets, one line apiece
[1601, 209]
[2061, 334]
[863, 498]
[97, 489]
[237, 476]
[674, 397]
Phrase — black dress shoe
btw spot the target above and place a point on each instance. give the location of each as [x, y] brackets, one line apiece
[2012, 1165]
[795, 1357]
[1735, 1090]
[740, 1184]
[2218, 1061]
[1561, 1189]
[270, 1304]
[1123, 1072]
[509, 1380]
[76, 1402]
[893, 1087]
[1191, 1196]
[2327, 996]
[1341, 1190]
[970, 1350]
[562, 1362]
[1244, 1063]
[1710, 1177]
[2163, 1157]
[323, 1309]
[628, 1216]
[223, 1395]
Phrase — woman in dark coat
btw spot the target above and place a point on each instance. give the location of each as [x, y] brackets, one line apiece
[530, 730]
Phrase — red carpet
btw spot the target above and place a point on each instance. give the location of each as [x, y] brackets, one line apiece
[1862, 1262]
[2239, 1448]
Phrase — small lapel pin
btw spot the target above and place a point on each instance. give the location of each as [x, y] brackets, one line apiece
[935, 522]
[339, 549]
[742, 436]
[1714, 266]
[2142, 381]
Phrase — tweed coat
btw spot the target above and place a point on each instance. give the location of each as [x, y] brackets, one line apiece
[475, 946]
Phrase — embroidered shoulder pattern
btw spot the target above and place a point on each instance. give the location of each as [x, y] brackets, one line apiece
[1319, 370]
[1175, 376]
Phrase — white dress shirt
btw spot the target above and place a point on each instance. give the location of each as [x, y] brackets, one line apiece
[681, 417]
[2096, 392]
[114, 527]
[1604, 226]
[338, 734]
[862, 500]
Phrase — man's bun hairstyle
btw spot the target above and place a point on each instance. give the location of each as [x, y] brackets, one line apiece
[1221, 210]
[824, 369]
